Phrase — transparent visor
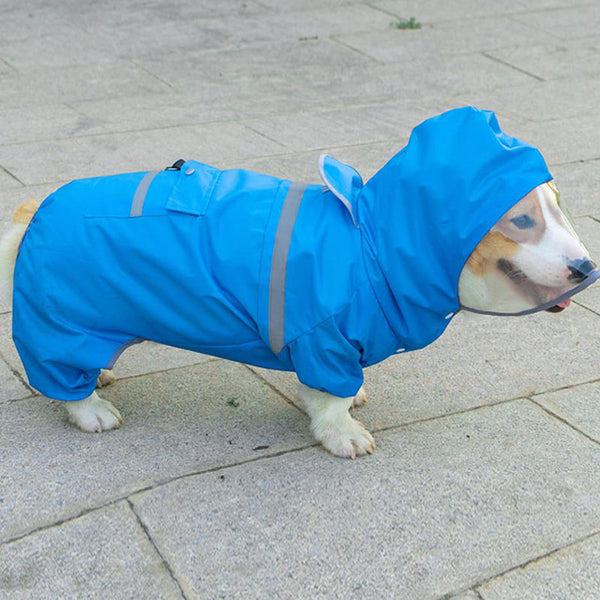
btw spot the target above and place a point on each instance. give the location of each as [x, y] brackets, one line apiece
[531, 260]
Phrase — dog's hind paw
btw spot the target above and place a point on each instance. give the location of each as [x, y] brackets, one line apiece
[106, 377]
[93, 414]
[360, 398]
[347, 439]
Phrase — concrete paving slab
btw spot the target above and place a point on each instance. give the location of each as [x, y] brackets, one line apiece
[564, 140]
[577, 405]
[569, 573]
[567, 22]
[579, 185]
[302, 166]
[176, 422]
[257, 62]
[470, 595]
[84, 82]
[12, 386]
[89, 156]
[297, 23]
[158, 37]
[477, 361]
[340, 127]
[430, 79]
[104, 554]
[60, 45]
[554, 60]
[449, 502]
[455, 37]
[589, 231]
[541, 100]
[51, 121]
[434, 11]
[7, 181]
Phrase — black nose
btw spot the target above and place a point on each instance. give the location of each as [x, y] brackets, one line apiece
[580, 269]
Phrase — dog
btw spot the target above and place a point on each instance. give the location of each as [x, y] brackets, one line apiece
[321, 280]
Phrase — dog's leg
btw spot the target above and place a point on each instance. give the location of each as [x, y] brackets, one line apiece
[106, 377]
[92, 414]
[332, 425]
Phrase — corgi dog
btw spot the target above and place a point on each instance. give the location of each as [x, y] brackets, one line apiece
[531, 258]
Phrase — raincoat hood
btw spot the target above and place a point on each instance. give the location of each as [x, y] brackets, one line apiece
[426, 210]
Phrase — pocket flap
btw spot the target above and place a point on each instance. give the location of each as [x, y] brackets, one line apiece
[194, 188]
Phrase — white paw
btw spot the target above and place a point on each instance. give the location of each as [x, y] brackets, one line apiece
[106, 377]
[346, 437]
[93, 414]
[360, 398]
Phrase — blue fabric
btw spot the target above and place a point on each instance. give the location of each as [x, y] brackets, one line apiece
[370, 269]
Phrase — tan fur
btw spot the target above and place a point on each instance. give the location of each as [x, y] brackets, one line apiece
[492, 248]
[25, 212]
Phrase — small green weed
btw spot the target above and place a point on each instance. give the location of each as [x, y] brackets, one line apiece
[411, 23]
[233, 402]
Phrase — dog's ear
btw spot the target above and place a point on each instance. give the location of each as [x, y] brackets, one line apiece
[342, 180]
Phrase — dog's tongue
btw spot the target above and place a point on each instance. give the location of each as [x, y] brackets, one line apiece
[564, 303]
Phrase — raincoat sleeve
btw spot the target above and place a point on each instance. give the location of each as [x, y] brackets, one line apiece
[325, 360]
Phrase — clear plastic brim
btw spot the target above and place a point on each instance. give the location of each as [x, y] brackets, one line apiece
[531, 260]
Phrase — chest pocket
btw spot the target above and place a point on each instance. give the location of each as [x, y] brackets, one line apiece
[193, 189]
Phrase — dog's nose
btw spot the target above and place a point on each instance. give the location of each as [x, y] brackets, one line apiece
[580, 269]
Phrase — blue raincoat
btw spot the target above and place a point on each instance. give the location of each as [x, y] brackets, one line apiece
[321, 280]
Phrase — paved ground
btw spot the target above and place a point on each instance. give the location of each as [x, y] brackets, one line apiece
[486, 480]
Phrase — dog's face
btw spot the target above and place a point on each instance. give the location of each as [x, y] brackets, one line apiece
[531, 257]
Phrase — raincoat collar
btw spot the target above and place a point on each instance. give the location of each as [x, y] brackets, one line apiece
[424, 212]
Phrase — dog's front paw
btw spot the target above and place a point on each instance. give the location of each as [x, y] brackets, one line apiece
[348, 438]
[93, 414]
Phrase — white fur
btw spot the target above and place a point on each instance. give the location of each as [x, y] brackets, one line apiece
[332, 425]
[9, 248]
[93, 414]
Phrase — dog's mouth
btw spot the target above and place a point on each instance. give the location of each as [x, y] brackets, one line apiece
[534, 292]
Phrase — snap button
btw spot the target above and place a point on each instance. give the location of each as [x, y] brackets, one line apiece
[190, 171]
[400, 350]
[449, 315]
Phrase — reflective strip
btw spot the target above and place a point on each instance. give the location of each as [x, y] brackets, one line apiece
[121, 349]
[281, 247]
[137, 206]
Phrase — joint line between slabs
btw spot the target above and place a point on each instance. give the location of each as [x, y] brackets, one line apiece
[531, 561]
[556, 416]
[511, 66]
[335, 40]
[164, 561]
[12, 175]
[266, 382]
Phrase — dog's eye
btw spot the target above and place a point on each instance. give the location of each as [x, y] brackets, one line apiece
[523, 222]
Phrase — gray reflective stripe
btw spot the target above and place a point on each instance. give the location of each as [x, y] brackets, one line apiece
[120, 350]
[140, 194]
[281, 247]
